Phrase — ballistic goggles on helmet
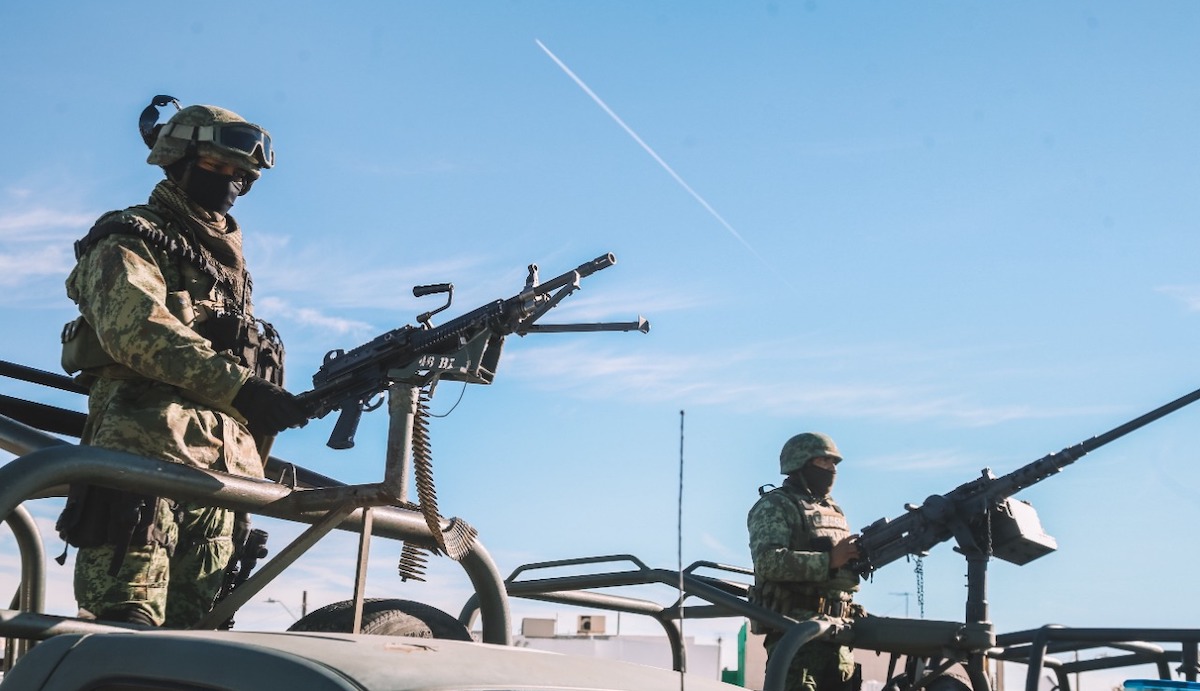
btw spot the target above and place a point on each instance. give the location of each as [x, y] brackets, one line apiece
[240, 138]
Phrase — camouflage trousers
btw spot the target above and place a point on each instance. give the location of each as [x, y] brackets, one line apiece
[818, 666]
[173, 588]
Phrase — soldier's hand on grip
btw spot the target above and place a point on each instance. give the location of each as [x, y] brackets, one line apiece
[844, 552]
[268, 409]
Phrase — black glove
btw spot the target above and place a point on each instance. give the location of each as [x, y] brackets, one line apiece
[268, 409]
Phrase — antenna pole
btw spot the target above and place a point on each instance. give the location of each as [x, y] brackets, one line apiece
[679, 552]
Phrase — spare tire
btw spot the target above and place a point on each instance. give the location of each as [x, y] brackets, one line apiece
[946, 681]
[386, 617]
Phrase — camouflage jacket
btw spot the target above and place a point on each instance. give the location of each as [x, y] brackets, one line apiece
[163, 391]
[791, 534]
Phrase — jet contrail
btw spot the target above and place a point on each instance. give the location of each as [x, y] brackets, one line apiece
[682, 183]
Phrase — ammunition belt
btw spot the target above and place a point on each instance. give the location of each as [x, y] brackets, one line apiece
[136, 225]
[838, 609]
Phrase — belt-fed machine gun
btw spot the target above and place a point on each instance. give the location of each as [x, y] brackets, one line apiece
[407, 363]
[985, 521]
[981, 515]
[466, 348]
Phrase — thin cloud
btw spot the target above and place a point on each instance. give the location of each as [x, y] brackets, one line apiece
[803, 389]
[19, 266]
[929, 460]
[620, 305]
[1189, 295]
[337, 279]
[30, 226]
[665, 166]
[35, 245]
[715, 546]
[280, 309]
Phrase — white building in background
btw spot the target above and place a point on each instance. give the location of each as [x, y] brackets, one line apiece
[592, 640]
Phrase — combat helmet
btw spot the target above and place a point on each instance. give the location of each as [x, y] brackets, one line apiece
[803, 447]
[210, 130]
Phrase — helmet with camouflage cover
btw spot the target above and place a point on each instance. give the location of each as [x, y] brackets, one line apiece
[804, 447]
[214, 132]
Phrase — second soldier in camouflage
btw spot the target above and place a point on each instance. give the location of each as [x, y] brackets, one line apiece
[801, 544]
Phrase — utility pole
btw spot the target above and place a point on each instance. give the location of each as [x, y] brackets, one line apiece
[283, 605]
[303, 605]
[905, 594]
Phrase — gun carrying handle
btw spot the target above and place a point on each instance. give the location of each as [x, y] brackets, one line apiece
[433, 289]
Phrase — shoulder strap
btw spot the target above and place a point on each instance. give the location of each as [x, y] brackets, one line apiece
[133, 224]
[801, 507]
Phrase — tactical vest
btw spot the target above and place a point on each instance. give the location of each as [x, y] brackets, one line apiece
[825, 525]
[197, 297]
[821, 526]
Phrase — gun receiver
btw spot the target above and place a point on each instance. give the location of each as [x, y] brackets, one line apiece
[466, 348]
[967, 512]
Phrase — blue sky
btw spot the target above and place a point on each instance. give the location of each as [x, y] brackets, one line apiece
[953, 235]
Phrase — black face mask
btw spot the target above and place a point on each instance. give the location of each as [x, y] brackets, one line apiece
[212, 191]
[819, 480]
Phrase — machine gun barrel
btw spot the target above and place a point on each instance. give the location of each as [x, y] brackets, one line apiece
[466, 348]
[937, 520]
[1044, 467]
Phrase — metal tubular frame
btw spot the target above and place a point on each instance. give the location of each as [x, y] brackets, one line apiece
[1033, 647]
[574, 590]
[45, 464]
[928, 638]
[31, 596]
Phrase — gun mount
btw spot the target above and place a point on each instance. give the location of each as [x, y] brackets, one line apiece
[981, 515]
[407, 363]
[985, 521]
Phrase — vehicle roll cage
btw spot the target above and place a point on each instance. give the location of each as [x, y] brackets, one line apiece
[47, 464]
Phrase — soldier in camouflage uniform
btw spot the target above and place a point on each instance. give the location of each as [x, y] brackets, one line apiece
[800, 543]
[177, 367]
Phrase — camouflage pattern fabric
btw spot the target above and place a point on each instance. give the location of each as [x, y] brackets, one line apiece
[791, 532]
[173, 590]
[167, 395]
[783, 541]
[805, 446]
[818, 666]
[170, 148]
[153, 419]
